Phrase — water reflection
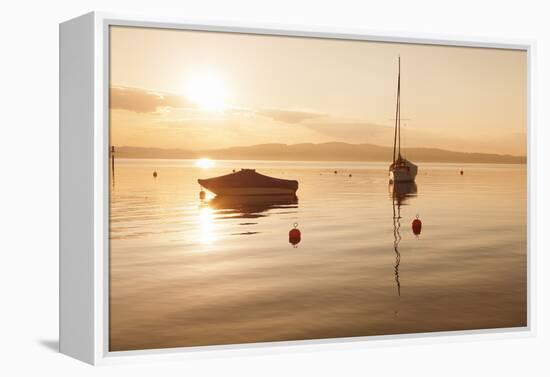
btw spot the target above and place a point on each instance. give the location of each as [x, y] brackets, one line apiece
[239, 207]
[167, 289]
[251, 207]
[206, 224]
[400, 193]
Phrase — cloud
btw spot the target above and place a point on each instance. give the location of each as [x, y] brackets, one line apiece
[279, 115]
[363, 131]
[144, 101]
[288, 116]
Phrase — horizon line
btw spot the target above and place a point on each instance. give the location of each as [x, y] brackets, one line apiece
[323, 143]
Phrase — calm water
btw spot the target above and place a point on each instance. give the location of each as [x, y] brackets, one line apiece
[186, 272]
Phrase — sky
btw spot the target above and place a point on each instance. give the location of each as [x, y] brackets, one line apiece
[208, 90]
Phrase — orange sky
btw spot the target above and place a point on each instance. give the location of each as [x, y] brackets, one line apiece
[202, 90]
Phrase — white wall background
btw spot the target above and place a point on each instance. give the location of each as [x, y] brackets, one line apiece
[29, 184]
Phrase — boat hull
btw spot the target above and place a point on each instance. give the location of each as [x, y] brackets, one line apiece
[248, 182]
[240, 191]
[403, 171]
[402, 176]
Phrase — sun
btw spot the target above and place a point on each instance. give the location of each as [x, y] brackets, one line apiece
[204, 163]
[207, 91]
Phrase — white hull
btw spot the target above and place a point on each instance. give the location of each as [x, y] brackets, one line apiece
[401, 176]
[230, 191]
[406, 172]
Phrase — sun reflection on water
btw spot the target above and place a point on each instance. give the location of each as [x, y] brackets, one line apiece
[207, 233]
[205, 163]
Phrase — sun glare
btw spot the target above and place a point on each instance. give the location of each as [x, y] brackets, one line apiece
[204, 163]
[207, 91]
[206, 223]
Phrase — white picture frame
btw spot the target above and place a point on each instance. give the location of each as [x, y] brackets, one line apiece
[84, 189]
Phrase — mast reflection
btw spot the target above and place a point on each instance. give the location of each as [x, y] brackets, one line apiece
[400, 192]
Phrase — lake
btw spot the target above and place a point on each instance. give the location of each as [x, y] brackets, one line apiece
[192, 272]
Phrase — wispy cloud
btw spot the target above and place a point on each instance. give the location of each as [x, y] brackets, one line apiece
[352, 129]
[289, 116]
[145, 101]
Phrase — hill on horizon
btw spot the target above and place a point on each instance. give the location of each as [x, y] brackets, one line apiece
[332, 151]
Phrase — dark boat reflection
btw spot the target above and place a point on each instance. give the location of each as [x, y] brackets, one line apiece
[250, 207]
[400, 192]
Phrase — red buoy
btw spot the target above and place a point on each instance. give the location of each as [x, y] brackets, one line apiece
[202, 195]
[417, 226]
[294, 236]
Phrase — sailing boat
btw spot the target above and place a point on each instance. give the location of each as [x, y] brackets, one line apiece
[401, 169]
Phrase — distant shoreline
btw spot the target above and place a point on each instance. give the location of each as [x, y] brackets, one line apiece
[303, 160]
[337, 152]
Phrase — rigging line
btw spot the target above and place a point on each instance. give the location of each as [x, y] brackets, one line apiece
[399, 106]
[405, 143]
[396, 117]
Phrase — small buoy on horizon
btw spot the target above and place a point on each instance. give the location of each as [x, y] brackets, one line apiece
[350, 175]
[462, 172]
[202, 195]
[295, 236]
[336, 172]
[154, 174]
[416, 226]
[233, 170]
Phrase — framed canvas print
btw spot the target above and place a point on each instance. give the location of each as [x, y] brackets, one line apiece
[227, 188]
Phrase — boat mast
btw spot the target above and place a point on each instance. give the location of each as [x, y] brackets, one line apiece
[399, 111]
[396, 138]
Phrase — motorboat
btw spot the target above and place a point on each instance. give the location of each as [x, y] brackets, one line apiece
[249, 182]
